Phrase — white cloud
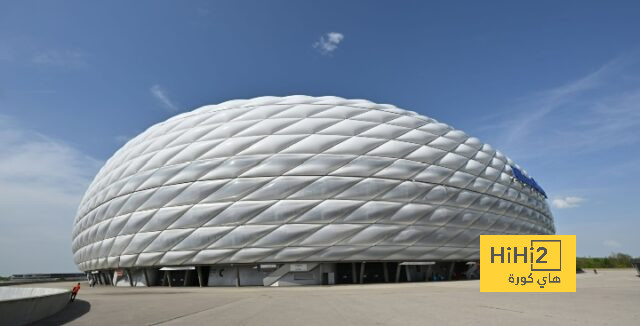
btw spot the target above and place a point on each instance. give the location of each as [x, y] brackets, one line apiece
[42, 181]
[122, 138]
[328, 43]
[612, 244]
[161, 95]
[27, 51]
[597, 111]
[61, 58]
[537, 106]
[202, 11]
[567, 202]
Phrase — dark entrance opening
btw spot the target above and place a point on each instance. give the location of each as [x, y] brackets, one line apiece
[325, 278]
[174, 278]
[204, 275]
[188, 277]
[344, 273]
[459, 271]
[373, 273]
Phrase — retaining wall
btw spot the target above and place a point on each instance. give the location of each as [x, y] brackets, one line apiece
[20, 306]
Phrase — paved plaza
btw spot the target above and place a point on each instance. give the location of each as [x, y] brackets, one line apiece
[609, 297]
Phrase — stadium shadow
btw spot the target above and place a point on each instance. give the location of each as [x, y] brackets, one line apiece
[72, 311]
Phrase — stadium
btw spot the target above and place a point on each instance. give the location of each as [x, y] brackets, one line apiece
[300, 190]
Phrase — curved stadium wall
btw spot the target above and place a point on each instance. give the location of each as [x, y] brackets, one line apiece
[275, 181]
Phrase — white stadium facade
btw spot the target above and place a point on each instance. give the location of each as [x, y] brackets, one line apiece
[300, 190]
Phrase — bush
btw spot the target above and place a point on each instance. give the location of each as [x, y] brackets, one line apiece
[615, 260]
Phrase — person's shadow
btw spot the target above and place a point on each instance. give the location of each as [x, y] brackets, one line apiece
[72, 311]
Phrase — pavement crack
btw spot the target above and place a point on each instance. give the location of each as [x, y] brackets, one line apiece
[196, 312]
[504, 309]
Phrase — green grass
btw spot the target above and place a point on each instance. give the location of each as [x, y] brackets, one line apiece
[615, 260]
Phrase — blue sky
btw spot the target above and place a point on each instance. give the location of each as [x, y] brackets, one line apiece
[556, 86]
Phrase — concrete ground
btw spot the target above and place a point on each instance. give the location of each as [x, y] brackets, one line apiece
[612, 297]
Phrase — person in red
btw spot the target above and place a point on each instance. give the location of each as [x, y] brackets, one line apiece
[75, 291]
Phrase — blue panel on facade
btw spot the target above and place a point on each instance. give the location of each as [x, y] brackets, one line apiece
[528, 181]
